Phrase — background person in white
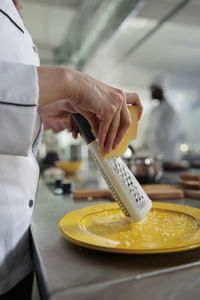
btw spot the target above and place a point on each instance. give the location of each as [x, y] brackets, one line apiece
[23, 88]
[164, 133]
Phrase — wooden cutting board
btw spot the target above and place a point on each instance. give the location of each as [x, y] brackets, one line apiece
[163, 191]
[192, 193]
[190, 181]
[92, 193]
[154, 191]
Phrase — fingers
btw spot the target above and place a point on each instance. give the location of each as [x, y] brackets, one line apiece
[125, 119]
[93, 98]
[58, 126]
[72, 128]
[61, 125]
[125, 122]
[112, 132]
[109, 125]
[105, 134]
[75, 133]
[70, 124]
[132, 98]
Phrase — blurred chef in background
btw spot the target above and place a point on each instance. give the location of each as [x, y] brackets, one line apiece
[163, 133]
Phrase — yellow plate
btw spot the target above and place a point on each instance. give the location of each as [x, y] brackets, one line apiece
[167, 228]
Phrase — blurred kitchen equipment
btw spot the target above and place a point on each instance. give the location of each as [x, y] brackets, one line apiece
[163, 191]
[58, 190]
[52, 174]
[76, 152]
[92, 193]
[190, 177]
[146, 169]
[49, 160]
[49, 150]
[191, 184]
[126, 190]
[63, 186]
[154, 192]
[176, 166]
[190, 181]
[195, 163]
[69, 167]
[68, 186]
[192, 193]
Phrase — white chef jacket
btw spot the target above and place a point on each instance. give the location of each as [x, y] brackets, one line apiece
[164, 132]
[19, 139]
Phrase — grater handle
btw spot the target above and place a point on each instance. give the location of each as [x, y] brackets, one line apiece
[84, 128]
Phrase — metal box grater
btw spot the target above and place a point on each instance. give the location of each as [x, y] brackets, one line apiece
[123, 185]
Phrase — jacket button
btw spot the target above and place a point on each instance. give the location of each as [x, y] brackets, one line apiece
[30, 203]
[35, 49]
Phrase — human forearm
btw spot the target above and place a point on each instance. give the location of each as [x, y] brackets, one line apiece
[53, 82]
[102, 105]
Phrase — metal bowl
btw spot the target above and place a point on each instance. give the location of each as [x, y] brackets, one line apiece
[146, 169]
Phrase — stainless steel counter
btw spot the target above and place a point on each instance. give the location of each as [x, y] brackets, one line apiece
[66, 271]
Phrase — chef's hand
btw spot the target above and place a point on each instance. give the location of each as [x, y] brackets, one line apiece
[104, 106]
[55, 116]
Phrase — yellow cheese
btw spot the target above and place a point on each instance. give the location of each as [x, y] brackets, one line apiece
[130, 134]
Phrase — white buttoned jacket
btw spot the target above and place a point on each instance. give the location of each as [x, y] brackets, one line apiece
[20, 132]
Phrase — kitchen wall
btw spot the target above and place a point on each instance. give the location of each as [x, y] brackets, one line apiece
[127, 44]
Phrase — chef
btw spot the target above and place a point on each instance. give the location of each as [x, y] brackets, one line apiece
[164, 133]
[54, 92]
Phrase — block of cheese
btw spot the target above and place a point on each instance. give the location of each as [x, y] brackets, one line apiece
[130, 134]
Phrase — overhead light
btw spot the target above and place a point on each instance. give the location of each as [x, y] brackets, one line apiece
[184, 148]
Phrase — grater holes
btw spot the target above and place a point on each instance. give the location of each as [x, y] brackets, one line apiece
[128, 180]
[130, 184]
[126, 214]
[114, 193]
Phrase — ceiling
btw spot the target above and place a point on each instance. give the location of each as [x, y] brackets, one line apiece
[123, 42]
[65, 3]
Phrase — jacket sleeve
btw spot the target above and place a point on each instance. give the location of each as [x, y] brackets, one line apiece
[18, 107]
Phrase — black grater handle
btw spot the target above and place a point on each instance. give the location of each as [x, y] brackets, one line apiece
[84, 128]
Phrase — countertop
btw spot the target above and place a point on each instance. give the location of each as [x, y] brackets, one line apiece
[66, 271]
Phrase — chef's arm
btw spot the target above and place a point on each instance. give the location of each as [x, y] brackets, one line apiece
[53, 83]
[18, 107]
[19, 100]
[104, 106]
[24, 87]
